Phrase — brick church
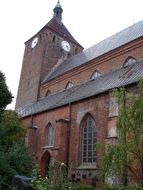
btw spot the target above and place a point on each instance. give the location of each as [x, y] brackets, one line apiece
[65, 93]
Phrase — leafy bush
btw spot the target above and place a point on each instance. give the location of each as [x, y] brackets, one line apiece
[15, 158]
[81, 187]
[114, 187]
[57, 179]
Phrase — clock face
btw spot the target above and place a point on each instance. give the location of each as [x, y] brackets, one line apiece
[66, 46]
[34, 42]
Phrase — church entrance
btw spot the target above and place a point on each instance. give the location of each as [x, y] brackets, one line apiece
[44, 163]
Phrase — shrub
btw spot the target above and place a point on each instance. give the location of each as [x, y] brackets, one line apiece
[81, 187]
[114, 187]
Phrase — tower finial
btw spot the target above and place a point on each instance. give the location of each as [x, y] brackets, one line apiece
[58, 10]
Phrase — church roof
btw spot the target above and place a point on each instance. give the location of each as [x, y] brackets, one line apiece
[118, 78]
[121, 38]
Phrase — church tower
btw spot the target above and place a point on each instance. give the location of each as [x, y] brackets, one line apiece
[42, 52]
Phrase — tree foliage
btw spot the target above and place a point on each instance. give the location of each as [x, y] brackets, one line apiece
[14, 154]
[15, 157]
[11, 129]
[124, 160]
[5, 94]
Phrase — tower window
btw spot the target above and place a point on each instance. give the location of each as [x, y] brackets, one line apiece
[54, 39]
[88, 140]
[129, 61]
[95, 74]
[69, 85]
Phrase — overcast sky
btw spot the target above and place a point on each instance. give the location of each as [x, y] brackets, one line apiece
[89, 21]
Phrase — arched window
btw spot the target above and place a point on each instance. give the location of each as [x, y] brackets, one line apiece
[48, 93]
[88, 140]
[95, 75]
[69, 85]
[129, 61]
[50, 135]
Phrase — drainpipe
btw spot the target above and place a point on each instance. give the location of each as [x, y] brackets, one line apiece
[125, 182]
[68, 136]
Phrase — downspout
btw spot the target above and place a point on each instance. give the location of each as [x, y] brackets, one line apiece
[125, 141]
[68, 136]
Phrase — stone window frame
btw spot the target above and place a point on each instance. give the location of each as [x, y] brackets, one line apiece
[91, 136]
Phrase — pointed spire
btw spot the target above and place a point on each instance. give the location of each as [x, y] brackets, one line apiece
[58, 10]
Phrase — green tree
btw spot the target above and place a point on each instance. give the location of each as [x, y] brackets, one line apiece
[5, 94]
[11, 129]
[125, 158]
[15, 157]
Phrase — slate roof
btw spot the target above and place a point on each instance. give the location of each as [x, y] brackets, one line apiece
[55, 25]
[118, 78]
[125, 36]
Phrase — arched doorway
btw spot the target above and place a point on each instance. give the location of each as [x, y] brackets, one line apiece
[44, 163]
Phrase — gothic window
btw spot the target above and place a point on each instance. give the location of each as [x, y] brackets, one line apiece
[95, 75]
[88, 141]
[48, 93]
[129, 61]
[69, 85]
[50, 135]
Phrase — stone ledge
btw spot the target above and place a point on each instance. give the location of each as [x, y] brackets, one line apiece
[86, 166]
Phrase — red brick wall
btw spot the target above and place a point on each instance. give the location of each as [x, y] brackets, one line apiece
[69, 148]
[98, 108]
[30, 75]
[37, 136]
